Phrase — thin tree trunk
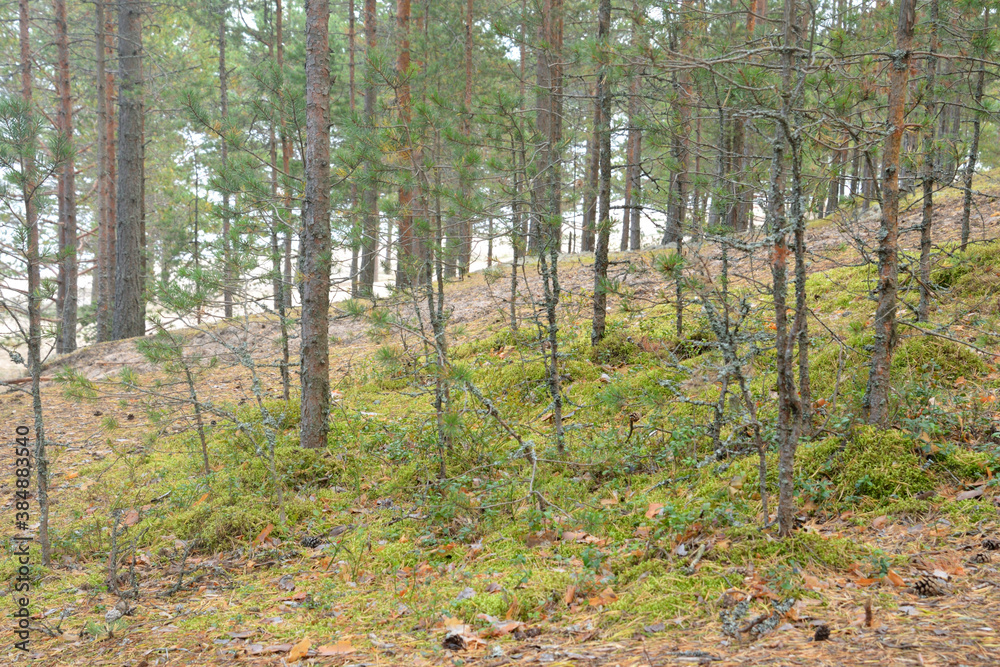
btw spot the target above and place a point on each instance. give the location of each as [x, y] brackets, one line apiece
[227, 260]
[67, 188]
[876, 400]
[315, 363]
[406, 262]
[929, 166]
[593, 176]
[465, 237]
[355, 231]
[369, 236]
[631, 232]
[604, 194]
[970, 166]
[128, 314]
[33, 260]
[286, 158]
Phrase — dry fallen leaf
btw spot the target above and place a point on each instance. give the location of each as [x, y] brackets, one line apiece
[969, 495]
[343, 647]
[300, 650]
[263, 534]
[895, 579]
[654, 509]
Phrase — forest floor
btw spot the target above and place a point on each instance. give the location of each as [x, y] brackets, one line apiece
[638, 554]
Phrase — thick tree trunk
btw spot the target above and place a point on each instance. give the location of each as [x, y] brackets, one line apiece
[128, 314]
[876, 400]
[315, 351]
[103, 275]
[66, 189]
[604, 194]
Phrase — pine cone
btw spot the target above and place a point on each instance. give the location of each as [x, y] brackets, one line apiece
[311, 541]
[822, 633]
[991, 545]
[980, 557]
[930, 586]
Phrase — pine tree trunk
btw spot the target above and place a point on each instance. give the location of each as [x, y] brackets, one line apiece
[315, 362]
[970, 166]
[369, 236]
[465, 235]
[33, 260]
[128, 313]
[604, 194]
[227, 260]
[105, 229]
[876, 400]
[406, 257]
[591, 184]
[929, 166]
[67, 189]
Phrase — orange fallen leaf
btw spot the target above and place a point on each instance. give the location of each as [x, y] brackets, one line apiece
[263, 534]
[654, 509]
[201, 500]
[343, 647]
[895, 579]
[72, 474]
[300, 650]
[570, 594]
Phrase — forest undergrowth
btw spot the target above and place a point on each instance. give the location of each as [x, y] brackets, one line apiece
[636, 545]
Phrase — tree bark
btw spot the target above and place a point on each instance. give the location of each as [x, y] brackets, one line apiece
[604, 193]
[970, 166]
[103, 276]
[128, 313]
[876, 400]
[406, 257]
[465, 229]
[929, 168]
[66, 189]
[591, 185]
[315, 250]
[227, 260]
[33, 260]
[369, 235]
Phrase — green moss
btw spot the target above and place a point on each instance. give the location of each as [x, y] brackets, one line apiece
[223, 525]
[963, 463]
[975, 273]
[946, 359]
[874, 464]
[751, 546]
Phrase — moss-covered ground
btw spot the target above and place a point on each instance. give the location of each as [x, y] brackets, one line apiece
[640, 528]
